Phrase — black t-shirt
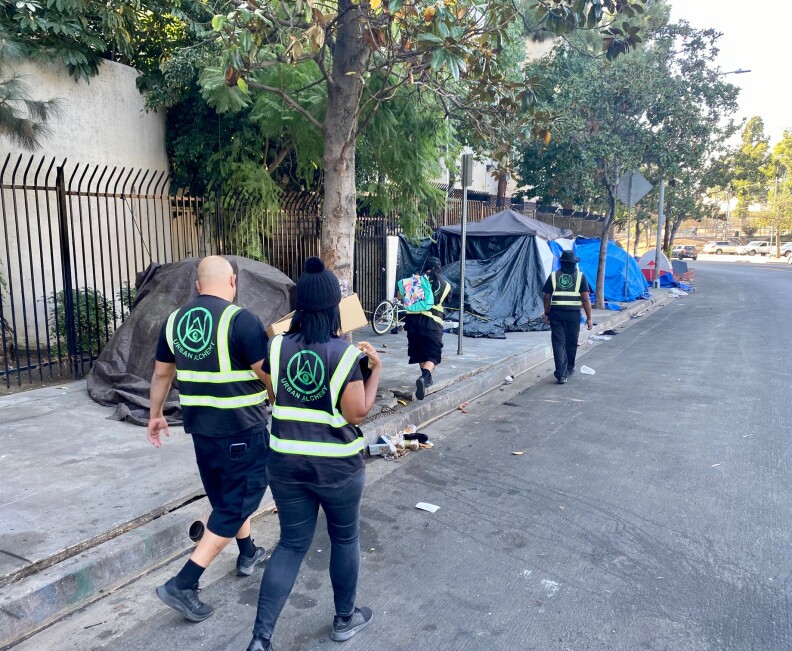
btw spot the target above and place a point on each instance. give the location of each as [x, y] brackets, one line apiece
[248, 345]
[318, 471]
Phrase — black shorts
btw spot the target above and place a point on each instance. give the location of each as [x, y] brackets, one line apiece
[234, 480]
[424, 340]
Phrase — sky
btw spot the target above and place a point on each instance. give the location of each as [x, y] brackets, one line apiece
[756, 37]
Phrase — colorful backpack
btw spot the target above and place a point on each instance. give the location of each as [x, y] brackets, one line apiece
[416, 293]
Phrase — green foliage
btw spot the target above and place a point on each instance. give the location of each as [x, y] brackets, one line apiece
[126, 297]
[93, 320]
[747, 166]
[22, 119]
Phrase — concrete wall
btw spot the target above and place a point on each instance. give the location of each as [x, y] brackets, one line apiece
[102, 121]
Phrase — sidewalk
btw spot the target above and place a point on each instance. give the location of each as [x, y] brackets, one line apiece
[88, 505]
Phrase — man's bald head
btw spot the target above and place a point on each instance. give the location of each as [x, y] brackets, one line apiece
[216, 277]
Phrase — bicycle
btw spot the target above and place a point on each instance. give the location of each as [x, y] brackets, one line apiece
[388, 315]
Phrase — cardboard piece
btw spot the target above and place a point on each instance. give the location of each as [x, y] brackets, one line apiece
[352, 317]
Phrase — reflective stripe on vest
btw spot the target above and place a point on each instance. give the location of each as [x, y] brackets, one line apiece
[568, 298]
[225, 375]
[313, 449]
[438, 307]
[316, 416]
[234, 402]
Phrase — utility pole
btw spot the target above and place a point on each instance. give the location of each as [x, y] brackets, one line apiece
[467, 178]
[660, 220]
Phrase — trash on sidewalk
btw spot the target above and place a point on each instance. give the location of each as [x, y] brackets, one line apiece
[610, 332]
[508, 379]
[586, 370]
[393, 446]
[600, 338]
[463, 407]
[676, 293]
[518, 454]
[425, 506]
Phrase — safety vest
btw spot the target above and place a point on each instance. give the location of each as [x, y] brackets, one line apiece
[307, 381]
[566, 290]
[436, 311]
[213, 391]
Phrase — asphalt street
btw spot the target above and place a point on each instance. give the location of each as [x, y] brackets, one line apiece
[650, 508]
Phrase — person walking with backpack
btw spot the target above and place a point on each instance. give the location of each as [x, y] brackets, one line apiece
[425, 327]
[566, 292]
[321, 388]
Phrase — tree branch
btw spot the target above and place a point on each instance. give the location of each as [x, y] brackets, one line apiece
[290, 101]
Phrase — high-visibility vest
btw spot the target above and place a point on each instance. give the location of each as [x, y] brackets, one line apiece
[204, 367]
[566, 294]
[319, 430]
[436, 311]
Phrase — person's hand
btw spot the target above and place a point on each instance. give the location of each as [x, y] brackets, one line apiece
[546, 319]
[155, 425]
[367, 349]
[589, 324]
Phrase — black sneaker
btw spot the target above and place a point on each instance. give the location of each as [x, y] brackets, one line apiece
[245, 564]
[562, 380]
[342, 630]
[571, 371]
[420, 388]
[184, 601]
[259, 644]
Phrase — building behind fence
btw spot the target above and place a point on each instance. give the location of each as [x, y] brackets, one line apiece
[73, 237]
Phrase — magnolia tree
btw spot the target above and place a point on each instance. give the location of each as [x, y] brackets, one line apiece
[365, 53]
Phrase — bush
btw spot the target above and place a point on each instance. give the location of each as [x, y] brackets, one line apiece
[93, 320]
[126, 297]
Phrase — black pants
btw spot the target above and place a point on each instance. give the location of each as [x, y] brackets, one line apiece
[565, 332]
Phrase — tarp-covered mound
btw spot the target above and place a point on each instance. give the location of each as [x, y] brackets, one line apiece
[121, 376]
[504, 272]
[588, 252]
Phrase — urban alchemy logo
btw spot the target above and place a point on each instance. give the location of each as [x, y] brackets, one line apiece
[565, 282]
[305, 375]
[194, 333]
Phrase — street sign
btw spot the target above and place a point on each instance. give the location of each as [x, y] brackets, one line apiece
[632, 188]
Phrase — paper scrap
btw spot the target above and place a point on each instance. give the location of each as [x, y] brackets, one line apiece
[425, 506]
[585, 370]
[518, 454]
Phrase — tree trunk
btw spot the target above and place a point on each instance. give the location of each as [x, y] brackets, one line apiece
[599, 301]
[350, 55]
[637, 237]
[676, 223]
[666, 233]
[503, 182]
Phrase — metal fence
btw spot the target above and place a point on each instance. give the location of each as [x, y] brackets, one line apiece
[73, 237]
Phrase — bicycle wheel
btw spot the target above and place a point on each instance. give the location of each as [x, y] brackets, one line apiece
[382, 318]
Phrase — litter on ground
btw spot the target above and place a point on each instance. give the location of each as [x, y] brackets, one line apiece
[586, 370]
[518, 454]
[425, 506]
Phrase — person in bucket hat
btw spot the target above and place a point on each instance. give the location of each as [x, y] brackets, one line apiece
[566, 292]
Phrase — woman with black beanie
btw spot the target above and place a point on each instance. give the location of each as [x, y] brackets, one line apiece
[321, 388]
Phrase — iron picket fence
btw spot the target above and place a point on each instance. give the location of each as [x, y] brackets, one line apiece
[73, 238]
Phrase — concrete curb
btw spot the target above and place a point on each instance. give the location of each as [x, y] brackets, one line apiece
[38, 600]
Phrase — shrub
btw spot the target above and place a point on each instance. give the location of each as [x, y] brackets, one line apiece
[126, 297]
[93, 319]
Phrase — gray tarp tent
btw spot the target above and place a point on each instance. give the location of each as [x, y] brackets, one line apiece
[121, 376]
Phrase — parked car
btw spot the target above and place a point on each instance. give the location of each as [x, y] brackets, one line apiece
[752, 248]
[786, 251]
[720, 247]
[682, 251]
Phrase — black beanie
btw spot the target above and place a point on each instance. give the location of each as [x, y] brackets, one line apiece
[317, 288]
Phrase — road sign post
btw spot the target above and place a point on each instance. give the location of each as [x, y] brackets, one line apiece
[467, 174]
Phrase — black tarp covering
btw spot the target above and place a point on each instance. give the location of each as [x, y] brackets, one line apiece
[508, 222]
[121, 376]
[503, 273]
